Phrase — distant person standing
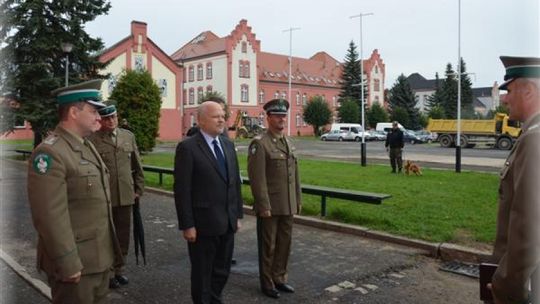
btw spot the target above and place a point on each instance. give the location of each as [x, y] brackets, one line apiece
[394, 144]
[517, 243]
[275, 185]
[68, 192]
[119, 151]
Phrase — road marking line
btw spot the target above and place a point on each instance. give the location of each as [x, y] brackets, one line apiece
[35, 283]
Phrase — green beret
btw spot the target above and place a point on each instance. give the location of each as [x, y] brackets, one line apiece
[276, 106]
[516, 67]
[88, 91]
[107, 111]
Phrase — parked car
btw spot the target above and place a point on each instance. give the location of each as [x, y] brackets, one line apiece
[344, 135]
[377, 135]
[410, 137]
[426, 136]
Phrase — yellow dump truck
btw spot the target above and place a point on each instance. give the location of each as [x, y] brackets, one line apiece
[499, 131]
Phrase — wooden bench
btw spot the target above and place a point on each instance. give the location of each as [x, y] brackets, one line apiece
[323, 192]
[25, 153]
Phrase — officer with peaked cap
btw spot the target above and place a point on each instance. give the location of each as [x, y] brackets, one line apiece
[517, 243]
[68, 191]
[275, 185]
[119, 151]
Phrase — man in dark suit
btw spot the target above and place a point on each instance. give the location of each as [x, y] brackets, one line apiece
[208, 202]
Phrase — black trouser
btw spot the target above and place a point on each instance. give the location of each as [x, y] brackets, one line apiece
[395, 159]
[210, 258]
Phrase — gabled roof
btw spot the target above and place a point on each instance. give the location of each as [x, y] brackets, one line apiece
[482, 92]
[320, 69]
[203, 44]
[418, 82]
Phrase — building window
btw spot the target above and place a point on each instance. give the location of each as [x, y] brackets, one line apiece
[298, 120]
[209, 70]
[199, 95]
[376, 85]
[244, 90]
[241, 68]
[246, 69]
[261, 97]
[304, 99]
[297, 99]
[376, 69]
[191, 96]
[244, 47]
[208, 89]
[323, 97]
[200, 72]
[191, 73]
[376, 99]
[276, 95]
[283, 95]
[333, 101]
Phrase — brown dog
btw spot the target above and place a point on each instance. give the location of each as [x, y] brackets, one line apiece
[411, 167]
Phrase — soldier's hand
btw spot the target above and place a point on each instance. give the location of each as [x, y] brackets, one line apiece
[265, 213]
[76, 278]
[190, 234]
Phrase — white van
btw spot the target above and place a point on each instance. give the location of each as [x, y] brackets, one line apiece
[352, 131]
[387, 126]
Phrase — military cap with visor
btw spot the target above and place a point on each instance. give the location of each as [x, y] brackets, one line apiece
[276, 106]
[88, 91]
[109, 110]
[519, 67]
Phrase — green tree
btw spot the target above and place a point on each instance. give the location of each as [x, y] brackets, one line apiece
[467, 98]
[139, 101]
[350, 76]
[449, 93]
[436, 112]
[216, 96]
[401, 115]
[317, 113]
[32, 62]
[436, 99]
[375, 114]
[349, 112]
[402, 97]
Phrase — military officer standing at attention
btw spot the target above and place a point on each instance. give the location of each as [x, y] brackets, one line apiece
[119, 151]
[517, 243]
[68, 192]
[275, 184]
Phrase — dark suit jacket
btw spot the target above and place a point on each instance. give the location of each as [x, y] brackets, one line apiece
[204, 198]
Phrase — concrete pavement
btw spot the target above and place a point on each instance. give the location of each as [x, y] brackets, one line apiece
[326, 266]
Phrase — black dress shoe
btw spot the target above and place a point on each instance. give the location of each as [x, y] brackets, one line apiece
[272, 293]
[285, 288]
[113, 283]
[122, 280]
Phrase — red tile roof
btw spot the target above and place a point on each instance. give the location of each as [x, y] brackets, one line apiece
[320, 69]
[205, 43]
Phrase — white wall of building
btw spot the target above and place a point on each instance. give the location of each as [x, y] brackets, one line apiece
[237, 81]
[165, 79]
[115, 69]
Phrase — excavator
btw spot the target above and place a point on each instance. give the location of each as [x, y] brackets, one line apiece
[245, 126]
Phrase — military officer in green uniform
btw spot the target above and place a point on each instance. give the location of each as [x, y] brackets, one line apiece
[68, 192]
[119, 151]
[517, 243]
[275, 184]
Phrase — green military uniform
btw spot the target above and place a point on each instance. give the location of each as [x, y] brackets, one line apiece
[517, 243]
[68, 192]
[119, 151]
[275, 184]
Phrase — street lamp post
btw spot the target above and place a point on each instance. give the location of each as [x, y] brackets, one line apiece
[290, 30]
[67, 47]
[363, 144]
[458, 137]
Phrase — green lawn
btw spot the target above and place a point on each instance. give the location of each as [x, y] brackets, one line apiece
[438, 206]
[17, 143]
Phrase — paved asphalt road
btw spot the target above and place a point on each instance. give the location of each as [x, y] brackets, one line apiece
[380, 272]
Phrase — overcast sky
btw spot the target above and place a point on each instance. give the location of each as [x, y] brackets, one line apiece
[411, 35]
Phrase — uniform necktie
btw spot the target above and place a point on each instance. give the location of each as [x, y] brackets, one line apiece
[220, 159]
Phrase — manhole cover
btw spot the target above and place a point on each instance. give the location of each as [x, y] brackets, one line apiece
[470, 270]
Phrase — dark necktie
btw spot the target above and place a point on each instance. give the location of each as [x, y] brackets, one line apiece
[220, 159]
